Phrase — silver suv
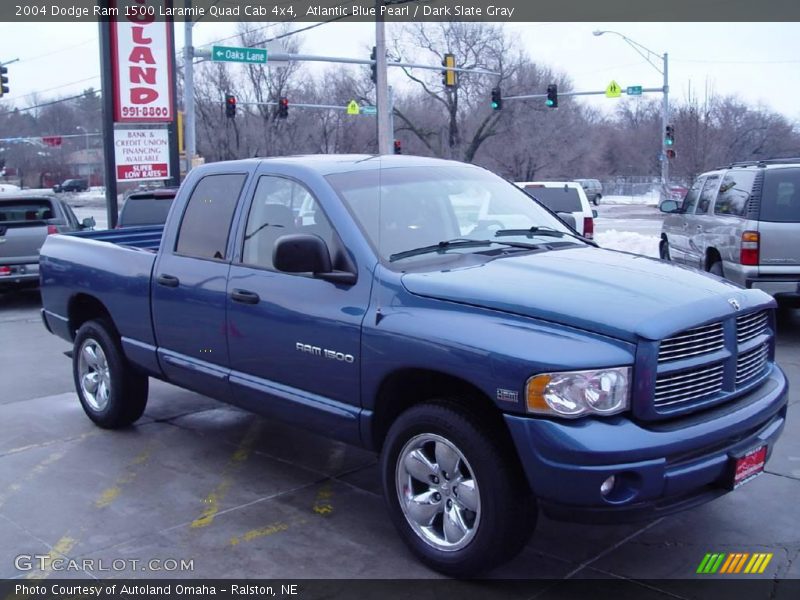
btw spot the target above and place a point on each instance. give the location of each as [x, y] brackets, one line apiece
[741, 222]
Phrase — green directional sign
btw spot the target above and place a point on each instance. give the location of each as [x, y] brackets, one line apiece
[243, 55]
[634, 90]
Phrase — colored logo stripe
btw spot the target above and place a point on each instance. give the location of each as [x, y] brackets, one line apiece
[734, 563]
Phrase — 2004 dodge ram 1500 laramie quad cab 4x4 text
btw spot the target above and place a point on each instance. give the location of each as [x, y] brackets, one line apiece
[435, 313]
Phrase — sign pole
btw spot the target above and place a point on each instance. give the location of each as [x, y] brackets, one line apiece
[110, 178]
[172, 126]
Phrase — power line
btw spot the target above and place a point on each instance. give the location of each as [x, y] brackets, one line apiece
[83, 95]
[737, 62]
[58, 87]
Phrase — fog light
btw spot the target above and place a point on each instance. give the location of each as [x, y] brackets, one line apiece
[607, 486]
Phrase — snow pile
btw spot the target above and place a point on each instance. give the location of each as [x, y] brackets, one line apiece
[650, 199]
[628, 241]
[7, 187]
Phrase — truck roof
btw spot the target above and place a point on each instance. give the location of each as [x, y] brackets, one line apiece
[326, 164]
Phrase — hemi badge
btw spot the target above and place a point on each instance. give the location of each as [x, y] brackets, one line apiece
[507, 395]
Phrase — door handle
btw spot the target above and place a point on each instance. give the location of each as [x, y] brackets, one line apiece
[245, 297]
[168, 280]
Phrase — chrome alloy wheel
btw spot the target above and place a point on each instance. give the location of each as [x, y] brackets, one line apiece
[438, 492]
[94, 375]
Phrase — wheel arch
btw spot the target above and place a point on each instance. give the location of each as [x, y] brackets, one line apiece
[85, 307]
[404, 388]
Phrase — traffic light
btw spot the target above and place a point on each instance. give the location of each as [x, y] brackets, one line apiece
[374, 66]
[3, 81]
[230, 106]
[449, 78]
[497, 99]
[552, 96]
[671, 153]
[398, 147]
[283, 108]
[669, 136]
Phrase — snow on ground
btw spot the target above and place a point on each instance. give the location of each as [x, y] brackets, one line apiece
[650, 199]
[628, 241]
[7, 187]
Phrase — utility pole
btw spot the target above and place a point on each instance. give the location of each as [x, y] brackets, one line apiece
[385, 141]
[664, 123]
[650, 57]
[188, 90]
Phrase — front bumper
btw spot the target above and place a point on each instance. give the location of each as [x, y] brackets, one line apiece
[660, 467]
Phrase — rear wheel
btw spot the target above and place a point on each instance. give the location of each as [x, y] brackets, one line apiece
[112, 394]
[459, 501]
[716, 268]
[663, 249]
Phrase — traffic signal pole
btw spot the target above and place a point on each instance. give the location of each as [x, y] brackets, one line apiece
[664, 123]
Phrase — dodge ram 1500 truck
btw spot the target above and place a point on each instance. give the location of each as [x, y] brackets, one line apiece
[433, 312]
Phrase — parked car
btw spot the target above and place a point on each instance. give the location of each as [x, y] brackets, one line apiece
[741, 222]
[471, 358]
[25, 222]
[149, 207]
[593, 189]
[564, 197]
[72, 185]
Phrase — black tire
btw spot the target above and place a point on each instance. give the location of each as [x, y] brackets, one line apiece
[663, 250]
[126, 396]
[507, 513]
[715, 268]
[596, 201]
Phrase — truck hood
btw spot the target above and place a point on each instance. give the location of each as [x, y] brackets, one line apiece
[609, 292]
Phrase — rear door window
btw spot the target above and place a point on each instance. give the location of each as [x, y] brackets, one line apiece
[690, 201]
[557, 199]
[734, 192]
[780, 200]
[708, 193]
[206, 222]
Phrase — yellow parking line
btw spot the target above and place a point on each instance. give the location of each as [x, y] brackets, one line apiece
[254, 534]
[215, 498]
[60, 548]
[36, 470]
[112, 493]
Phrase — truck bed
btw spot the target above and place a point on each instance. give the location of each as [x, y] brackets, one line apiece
[144, 238]
[112, 266]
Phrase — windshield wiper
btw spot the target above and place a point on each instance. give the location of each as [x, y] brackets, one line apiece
[545, 231]
[456, 243]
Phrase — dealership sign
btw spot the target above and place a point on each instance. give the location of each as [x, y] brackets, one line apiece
[140, 61]
[141, 154]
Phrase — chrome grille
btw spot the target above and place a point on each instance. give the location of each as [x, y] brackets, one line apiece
[692, 342]
[750, 326]
[687, 387]
[751, 364]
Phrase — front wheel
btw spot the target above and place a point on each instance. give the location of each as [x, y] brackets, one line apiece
[112, 394]
[458, 498]
[663, 250]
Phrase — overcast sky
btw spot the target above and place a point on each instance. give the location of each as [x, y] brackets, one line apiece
[759, 62]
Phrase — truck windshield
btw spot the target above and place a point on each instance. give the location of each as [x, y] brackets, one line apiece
[406, 208]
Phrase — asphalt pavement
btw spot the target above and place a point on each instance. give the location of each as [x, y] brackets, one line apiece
[239, 496]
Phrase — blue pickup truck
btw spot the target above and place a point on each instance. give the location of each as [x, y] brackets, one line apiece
[433, 312]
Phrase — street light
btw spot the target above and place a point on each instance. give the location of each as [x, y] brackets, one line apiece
[651, 57]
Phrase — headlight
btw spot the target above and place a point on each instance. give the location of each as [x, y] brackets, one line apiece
[577, 393]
